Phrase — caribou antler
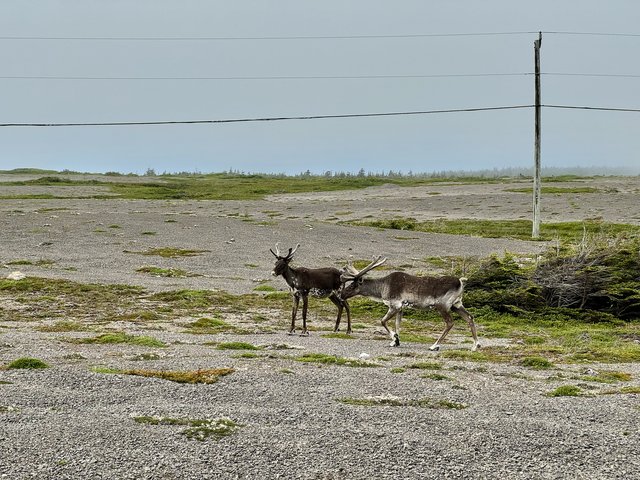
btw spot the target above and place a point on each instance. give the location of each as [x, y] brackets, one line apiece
[349, 268]
[351, 273]
[277, 252]
[288, 256]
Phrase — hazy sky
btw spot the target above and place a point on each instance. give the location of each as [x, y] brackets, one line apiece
[240, 62]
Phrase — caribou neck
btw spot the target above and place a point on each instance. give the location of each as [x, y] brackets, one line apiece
[290, 276]
[372, 287]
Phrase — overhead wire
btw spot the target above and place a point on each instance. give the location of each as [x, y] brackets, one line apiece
[315, 117]
[320, 77]
[276, 77]
[314, 37]
[292, 37]
[266, 119]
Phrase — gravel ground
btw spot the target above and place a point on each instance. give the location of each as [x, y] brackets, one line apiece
[68, 422]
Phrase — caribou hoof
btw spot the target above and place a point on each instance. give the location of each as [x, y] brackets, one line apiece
[291, 332]
[396, 340]
[434, 348]
[304, 334]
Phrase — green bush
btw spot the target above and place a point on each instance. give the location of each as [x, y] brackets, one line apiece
[27, 363]
[596, 281]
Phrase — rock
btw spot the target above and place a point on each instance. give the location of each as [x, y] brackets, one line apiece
[16, 276]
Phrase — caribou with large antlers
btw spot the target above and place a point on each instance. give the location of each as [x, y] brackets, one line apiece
[318, 282]
[399, 290]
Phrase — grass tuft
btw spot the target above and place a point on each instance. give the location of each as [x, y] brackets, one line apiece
[171, 252]
[121, 337]
[27, 363]
[207, 376]
[398, 402]
[197, 429]
[333, 360]
[63, 326]
[338, 335]
[237, 346]
[565, 391]
[426, 365]
[165, 272]
[537, 363]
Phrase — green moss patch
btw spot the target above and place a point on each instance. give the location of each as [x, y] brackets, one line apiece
[121, 337]
[323, 358]
[207, 376]
[237, 346]
[165, 272]
[565, 391]
[537, 363]
[426, 365]
[199, 429]
[170, 252]
[398, 402]
[27, 363]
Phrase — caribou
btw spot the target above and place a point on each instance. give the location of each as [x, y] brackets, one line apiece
[399, 290]
[317, 282]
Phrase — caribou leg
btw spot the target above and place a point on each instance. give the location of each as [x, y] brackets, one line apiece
[341, 304]
[346, 307]
[296, 301]
[395, 339]
[305, 304]
[448, 320]
[460, 310]
[397, 334]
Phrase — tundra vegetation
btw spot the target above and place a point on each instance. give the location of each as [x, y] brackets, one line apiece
[207, 375]
[579, 302]
[399, 402]
[236, 186]
[27, 363]
[198, 429]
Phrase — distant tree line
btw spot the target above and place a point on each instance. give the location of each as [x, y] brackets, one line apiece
[510, 172]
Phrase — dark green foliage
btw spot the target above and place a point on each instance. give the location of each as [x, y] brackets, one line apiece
[502, 284]
[537, 363]
[565, 391]
[27, 363]
[602, 277]
[594, 283]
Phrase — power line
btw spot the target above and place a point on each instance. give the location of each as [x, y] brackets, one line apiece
[313, 37]
[294, 37]
[278, 77]
[265, 119]
[316, 117]
[610, 75]
[602, 109]
[321, 77]
[596, 34]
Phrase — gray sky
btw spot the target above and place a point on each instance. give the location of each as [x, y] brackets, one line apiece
[421, 143]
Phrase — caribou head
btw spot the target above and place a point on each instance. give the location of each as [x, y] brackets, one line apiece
[356, 277]
[282, 261]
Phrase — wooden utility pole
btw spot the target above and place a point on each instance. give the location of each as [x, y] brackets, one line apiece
[536, 154]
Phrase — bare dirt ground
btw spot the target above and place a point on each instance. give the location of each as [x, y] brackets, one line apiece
[70, 422]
